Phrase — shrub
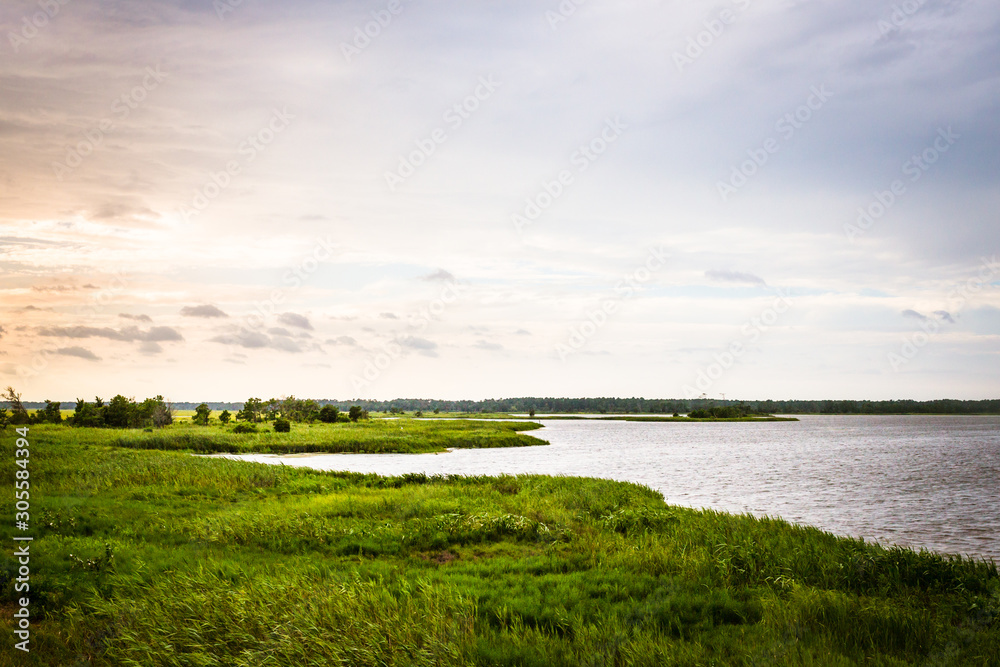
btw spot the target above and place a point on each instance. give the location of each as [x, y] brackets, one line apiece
[328, 414]
[244, 427]
[282, 425]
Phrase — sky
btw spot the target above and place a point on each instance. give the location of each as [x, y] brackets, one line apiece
[751, 199]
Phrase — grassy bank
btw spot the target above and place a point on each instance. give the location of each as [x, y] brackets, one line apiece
[377, 436]
[145, 557]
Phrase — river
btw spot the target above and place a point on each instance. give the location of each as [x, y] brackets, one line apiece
[918, 481]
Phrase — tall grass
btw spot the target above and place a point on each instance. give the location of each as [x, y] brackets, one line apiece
[405, 436]
[145, 557]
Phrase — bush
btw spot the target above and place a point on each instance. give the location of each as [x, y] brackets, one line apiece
[282, 425]
[328, 414]
[245, 428]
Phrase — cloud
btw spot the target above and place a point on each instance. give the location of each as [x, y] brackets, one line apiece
[162, 334]
[943, 315]
[421, 345]
[54, 288]
[735, 277]
[279, 331]
[388, 316]
[79, 352]
[485, 345]
[202, 311]
[2, 331]
[522, 332]
[295, 320]
[128, 334]
[341, 340]
[137, 318]
[285, 344]
[149, 347]
[254, 340]
[439, 275]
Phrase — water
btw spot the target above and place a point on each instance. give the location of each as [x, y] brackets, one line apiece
[927, 482]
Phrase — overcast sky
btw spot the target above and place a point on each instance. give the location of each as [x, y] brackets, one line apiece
[756, 198]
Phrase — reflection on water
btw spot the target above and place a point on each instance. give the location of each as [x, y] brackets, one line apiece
[917, 481]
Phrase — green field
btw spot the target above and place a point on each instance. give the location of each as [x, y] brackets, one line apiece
[375, 436]
[147, 557]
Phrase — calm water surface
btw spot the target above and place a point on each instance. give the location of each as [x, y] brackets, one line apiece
[929, 482]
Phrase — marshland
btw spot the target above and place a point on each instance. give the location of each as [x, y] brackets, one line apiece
[145, 554]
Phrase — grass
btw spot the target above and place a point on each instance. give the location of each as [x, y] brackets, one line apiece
[157, 558]
[404, 436]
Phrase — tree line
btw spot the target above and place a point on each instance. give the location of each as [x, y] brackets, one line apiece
[610, 405]
[125, 412]
[119, 412]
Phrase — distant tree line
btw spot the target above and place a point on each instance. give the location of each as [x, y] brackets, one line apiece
[122, 412]
[293, 409]
[681, 406]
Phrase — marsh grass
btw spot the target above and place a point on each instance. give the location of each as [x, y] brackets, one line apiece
[404, 436]
[146, 557]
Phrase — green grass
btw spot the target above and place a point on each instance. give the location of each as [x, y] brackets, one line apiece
[146, 557]
[405, 436]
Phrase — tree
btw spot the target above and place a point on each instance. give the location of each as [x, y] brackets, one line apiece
[52, 414]
[162, 413]
[531, 412]
[224, 417]
[4, 418]
[251, 412]
[328, 414]
[356, 412]
[19, 415]
[120, 413]
[202, 414]
[86, 415]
